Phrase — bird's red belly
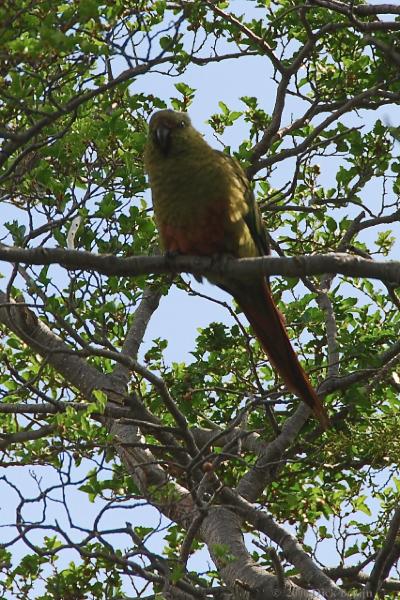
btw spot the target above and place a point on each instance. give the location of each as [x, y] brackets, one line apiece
[204, 236]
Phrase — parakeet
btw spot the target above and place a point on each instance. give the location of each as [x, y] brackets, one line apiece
[204, 205]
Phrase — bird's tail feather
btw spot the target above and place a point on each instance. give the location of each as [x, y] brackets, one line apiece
[267, 322]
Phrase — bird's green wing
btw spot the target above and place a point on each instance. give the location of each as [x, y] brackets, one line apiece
[252, 218]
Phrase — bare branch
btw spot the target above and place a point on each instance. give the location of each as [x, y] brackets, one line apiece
[143, 314]
[24, 436]
[298, 266]
[367, 10]
[222, 529]
[293, 551]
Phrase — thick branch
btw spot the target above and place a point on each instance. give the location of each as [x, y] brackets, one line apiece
[41, 339]
[298, 266]
[222, 529]
[293, 551]
[363, 10]
[255, 479]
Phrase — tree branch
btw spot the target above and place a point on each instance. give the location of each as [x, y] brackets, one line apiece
[27, 435]
[21, 138]
[297, 266]
[387, 556]
[363, 11]
[263, 522]
[143, 313]
[222, 529]
[24, 323]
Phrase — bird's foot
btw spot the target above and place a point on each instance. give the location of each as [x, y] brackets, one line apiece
[220, 262]
[170, 256]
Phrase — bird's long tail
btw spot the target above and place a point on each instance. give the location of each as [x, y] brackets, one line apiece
[267, 322]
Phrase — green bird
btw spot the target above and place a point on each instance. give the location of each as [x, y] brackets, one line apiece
[204, 205]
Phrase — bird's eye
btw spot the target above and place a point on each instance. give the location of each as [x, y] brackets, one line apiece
[182, 124]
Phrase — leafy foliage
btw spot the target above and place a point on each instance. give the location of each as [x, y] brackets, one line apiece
[126, 477]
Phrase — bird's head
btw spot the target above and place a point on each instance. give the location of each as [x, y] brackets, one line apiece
[168, 129]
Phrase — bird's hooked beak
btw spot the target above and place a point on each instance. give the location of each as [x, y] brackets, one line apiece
[162, 137]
